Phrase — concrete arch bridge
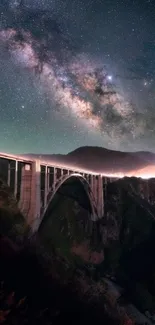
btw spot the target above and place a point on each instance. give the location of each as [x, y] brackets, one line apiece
[35, 182]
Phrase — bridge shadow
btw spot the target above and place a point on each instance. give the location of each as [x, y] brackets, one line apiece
[67, 226]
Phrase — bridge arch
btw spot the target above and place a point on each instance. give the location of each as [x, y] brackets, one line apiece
[60, 182]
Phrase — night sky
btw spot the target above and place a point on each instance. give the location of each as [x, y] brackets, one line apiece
[76, 73]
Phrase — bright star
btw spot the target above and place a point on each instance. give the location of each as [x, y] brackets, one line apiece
[109, 77]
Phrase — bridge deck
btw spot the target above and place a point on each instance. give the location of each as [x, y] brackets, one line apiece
[49, 163]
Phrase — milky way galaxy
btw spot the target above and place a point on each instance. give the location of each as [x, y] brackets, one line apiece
[58, 92]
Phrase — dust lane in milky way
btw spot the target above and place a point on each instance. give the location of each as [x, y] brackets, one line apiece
[83, 98]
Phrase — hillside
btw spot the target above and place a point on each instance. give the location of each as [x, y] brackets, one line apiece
[101, 160]
[40, 286]
[120, 246]
[122, 243]
[128, 232]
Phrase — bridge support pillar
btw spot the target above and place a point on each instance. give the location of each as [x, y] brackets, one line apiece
[100, 202]
[46, 185]
[96, 184]
[16, 178]
[95, 188]
[54, 177]
[9, 173]
[30, 193]
[36, 195]
[25, 190]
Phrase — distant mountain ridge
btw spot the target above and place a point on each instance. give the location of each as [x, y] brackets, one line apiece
[101, 160]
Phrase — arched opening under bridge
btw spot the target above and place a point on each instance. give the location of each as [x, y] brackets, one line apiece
[65, 180]
[67, 225]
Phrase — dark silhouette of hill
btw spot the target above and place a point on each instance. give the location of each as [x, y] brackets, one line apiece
[101, 160]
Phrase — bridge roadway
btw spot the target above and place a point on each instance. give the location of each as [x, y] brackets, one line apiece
[34, 183]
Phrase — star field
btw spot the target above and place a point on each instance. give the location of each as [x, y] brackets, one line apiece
[77, 73]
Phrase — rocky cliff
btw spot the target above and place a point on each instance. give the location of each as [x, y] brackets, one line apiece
[121, 245]
[129, 213]
[128, 237]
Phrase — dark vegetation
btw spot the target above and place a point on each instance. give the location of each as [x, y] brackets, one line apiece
[44, 281]
[38, 289]
[130, 212]
[32, 292]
